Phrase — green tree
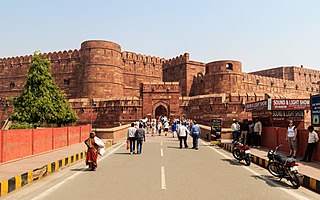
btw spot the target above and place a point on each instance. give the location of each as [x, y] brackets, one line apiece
[42, 103]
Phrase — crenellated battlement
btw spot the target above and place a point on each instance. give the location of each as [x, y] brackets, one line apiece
[161, 87]
[131, 56]
[62, 55]
[284, 84]
[182, 59]
[52, 56]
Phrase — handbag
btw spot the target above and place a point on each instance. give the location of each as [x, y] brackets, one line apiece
[128, 144]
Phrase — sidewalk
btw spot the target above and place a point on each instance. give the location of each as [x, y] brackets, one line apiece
[17, 173]
[310, 170]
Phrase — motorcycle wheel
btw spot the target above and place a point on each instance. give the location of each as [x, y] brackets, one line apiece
[273, 169]
[247, 160]
[294, 180]
[236, 154]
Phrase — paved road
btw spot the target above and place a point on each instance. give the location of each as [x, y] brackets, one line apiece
[163, 171]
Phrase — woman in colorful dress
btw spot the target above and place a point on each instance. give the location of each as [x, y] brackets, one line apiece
[92, 153]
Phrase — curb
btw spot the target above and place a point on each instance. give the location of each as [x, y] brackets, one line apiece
[26, 178]
[307, 181]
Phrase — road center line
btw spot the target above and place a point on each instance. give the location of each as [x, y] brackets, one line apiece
[52, 189]
[161, 143]
[161, 152]
[291, 193]
[163, 179]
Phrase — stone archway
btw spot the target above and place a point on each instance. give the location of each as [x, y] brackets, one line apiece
[161, 110]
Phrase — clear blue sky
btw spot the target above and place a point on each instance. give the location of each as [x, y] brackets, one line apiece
[261, 34]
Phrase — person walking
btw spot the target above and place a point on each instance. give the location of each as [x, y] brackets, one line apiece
[183, 134]
[153, 127]
[195, 133]
[257, 129]
[166, 127]
[312, 142]
[93, 143]
[131, 137]
[174, 129]
[140, 136]
[159, 127]
[291, 137]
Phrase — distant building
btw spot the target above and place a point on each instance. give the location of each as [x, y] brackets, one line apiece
[106, 86]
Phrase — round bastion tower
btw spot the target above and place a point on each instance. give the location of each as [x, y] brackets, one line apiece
[101, 73]
[226, 76]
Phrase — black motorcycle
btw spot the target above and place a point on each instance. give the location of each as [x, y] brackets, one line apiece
[282, 167]
[242, 152]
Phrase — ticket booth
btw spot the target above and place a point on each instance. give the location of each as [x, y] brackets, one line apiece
[277, 112]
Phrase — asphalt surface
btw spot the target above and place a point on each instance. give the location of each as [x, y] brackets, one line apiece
[163, 171]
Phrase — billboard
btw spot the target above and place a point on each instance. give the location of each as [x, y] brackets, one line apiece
[290, 104]
[315, 110]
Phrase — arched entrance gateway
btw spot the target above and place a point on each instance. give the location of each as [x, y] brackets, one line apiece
[161, 110]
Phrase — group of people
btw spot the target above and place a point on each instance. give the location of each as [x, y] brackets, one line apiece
[136, 134]
[188, 128]
[249, 132]
[292, 138]
[179, 127]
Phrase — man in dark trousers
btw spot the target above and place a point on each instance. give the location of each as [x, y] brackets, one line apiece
[140, 136]
[183, 134]
[195, 132]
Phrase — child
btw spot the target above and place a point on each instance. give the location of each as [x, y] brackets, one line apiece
[312, 141]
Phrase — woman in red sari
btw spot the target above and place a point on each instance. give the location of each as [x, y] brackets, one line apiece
[92, 153]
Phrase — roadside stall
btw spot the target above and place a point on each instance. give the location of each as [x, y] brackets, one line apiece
[277, 112]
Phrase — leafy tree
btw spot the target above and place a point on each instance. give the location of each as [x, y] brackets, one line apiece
[42, 103]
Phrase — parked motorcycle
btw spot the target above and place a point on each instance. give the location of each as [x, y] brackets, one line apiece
[282, 167]
[242, 152]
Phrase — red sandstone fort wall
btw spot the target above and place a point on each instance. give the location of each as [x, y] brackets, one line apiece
[107, 113]
[181, 69]
[277, 88]
[165, 94]
[13, 73]
[103, 84]
[293, 73]
[138, 69]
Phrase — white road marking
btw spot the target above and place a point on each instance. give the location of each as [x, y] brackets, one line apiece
[42, 195]
[161, 152]
[291, 193]
[163, 179]
[161, 143]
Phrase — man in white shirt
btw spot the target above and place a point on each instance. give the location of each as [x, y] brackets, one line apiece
[131, 137]
[182, 135]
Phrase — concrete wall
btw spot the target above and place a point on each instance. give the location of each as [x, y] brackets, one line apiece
[115, 133]
[273, 136]
[16, 144]
[206, 132]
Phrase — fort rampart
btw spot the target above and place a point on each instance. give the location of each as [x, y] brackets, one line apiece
[106, 86]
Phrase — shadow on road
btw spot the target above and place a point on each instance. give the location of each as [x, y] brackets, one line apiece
[173, 147]
[232, 162]
[86, 169]
[272, 181]
[123, 153]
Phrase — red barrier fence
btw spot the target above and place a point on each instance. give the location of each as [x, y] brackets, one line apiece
[273, 136]
[16, 144]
